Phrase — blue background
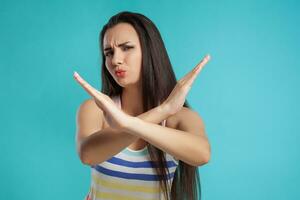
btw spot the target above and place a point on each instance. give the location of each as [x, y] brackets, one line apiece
[248, 95]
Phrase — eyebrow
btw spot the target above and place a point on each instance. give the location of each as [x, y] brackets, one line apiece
[120, 45]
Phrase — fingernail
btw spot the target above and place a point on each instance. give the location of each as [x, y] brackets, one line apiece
[75, 74]
[208, 57]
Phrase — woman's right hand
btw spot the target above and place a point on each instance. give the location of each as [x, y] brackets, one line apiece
[116, 118]
[176, 99]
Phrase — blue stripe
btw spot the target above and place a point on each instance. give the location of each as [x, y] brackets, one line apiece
[142, 164]
[144, 177]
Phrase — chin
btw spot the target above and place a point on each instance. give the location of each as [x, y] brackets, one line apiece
[126, 84]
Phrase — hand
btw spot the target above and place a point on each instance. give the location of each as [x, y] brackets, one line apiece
[116, 118]
[176, 99]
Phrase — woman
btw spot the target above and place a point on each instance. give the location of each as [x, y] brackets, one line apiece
[138, 134]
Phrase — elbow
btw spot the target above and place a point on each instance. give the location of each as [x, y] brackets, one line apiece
[206, 155]
[204, 159]
[84, 157]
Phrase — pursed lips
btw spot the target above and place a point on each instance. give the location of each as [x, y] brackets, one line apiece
[120, 73]
[119, 70]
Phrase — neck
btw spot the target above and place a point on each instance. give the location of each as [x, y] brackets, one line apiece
[132, 101]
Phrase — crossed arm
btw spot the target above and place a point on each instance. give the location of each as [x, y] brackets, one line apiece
[104, 143]
[187, 142]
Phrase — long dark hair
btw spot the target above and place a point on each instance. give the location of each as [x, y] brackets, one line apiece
[157, 83]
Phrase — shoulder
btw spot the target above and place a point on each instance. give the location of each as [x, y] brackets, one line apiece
[88, 107]
[187, 113]
[188, 120]
[89, 118]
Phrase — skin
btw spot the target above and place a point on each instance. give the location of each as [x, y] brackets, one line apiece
[126, 57]
[187, 131]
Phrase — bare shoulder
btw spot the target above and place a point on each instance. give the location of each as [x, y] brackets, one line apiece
[89, 119]
[187, 120]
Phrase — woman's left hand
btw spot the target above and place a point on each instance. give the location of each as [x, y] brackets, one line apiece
[176, 99]
[115, 117]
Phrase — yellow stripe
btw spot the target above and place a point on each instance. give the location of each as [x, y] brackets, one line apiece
[126, 187]
[111, 196]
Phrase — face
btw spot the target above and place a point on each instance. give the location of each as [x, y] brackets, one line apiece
[123, 54]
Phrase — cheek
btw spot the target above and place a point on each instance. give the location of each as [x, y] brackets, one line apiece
[108, 67]
[107, 63]
[136, 62]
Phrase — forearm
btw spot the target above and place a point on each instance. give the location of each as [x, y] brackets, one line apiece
[107, 142]
[190, 148]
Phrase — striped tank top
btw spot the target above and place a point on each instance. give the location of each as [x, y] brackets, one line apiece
[128, 175]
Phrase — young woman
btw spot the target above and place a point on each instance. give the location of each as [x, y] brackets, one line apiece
[138, 134]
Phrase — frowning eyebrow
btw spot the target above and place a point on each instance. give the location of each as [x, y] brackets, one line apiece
[120, 45]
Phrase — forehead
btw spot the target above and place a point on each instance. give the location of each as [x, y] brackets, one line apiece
[120, 33]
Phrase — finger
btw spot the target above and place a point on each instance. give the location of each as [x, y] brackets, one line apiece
[191, 78]
[203, 62]
[193, 74]
[92, 91]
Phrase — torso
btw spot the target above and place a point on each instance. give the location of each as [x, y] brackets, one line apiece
[105, 178]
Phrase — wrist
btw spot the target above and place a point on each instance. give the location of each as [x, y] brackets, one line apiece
[129, 124]
[164, 109]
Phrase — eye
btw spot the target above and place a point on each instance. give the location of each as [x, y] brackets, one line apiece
[125, 48]
[108, 53]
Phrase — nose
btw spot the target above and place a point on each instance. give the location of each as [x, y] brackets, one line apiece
[117, 58]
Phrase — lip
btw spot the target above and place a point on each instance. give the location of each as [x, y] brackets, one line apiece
[120, 70]
[120, 73]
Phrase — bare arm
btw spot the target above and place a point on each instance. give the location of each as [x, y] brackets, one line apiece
[104, 143]
[188, 142]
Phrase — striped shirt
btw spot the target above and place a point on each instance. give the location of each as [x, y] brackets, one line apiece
[129, 175]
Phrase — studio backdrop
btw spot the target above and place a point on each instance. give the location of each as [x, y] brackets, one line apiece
[247, 95]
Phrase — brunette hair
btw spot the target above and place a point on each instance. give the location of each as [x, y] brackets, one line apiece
[157, 83]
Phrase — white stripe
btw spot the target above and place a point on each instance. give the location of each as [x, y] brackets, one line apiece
[170, 157]
[133, 158]
[137, 158]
